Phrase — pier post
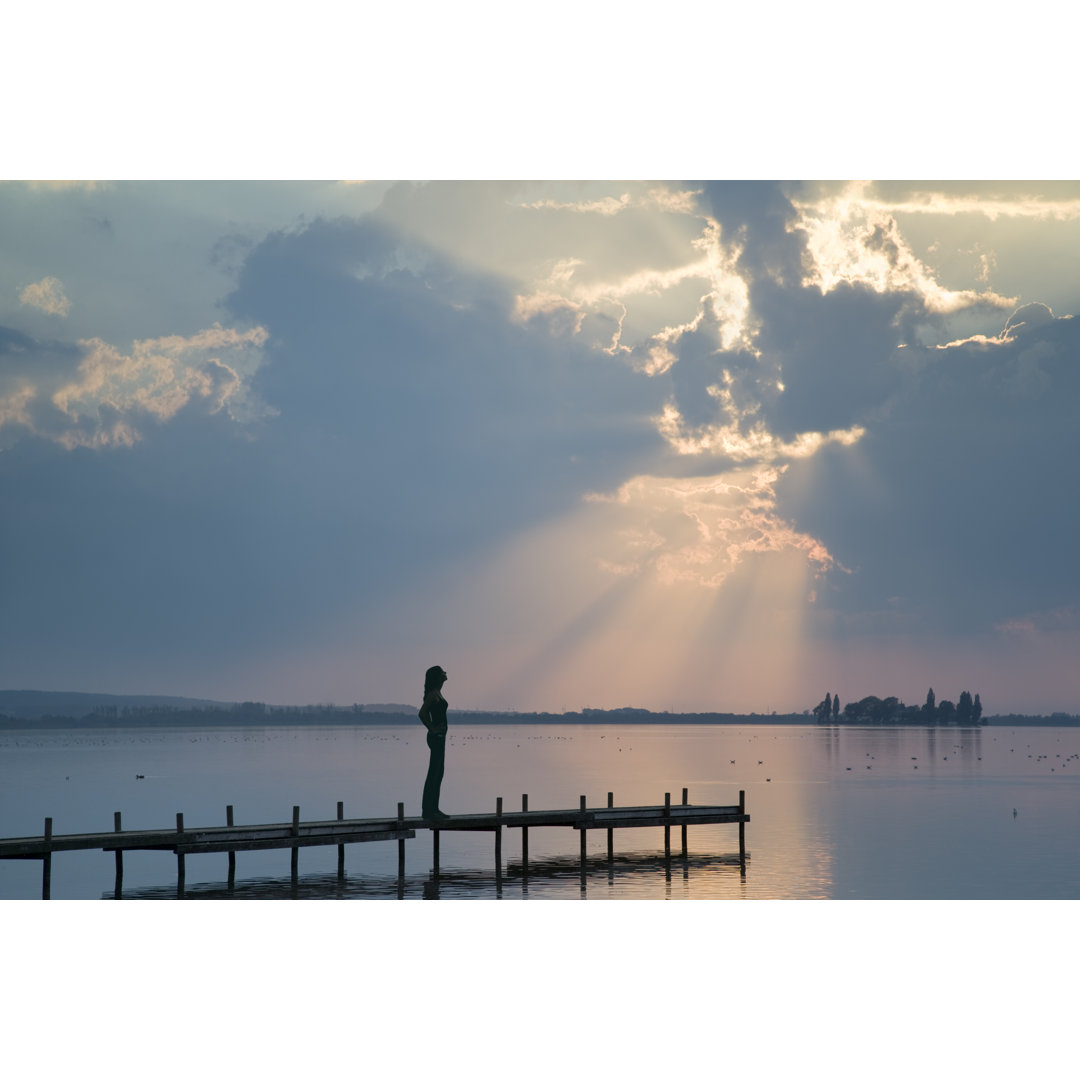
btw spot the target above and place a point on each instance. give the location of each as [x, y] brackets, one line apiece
[341, 847]
[435, 853]
[46, 863]
[294, 867]
[685, 802]
[401, 845]
[611, 843]
[498, 845]
[667, 825]
[610, 831]
[742, 833]
[179, 857]
[582, 830]
[232, 854]
[525, 838]
[118, 888]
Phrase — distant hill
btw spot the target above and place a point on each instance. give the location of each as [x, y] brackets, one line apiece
[76, 705]
[29, 704]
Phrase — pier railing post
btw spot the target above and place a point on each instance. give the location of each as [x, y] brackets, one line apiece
[118, 888]
[583, 843]
[179, 856]
[685, 802]
[401, 844]
[232, 854]
[341, 847]
[294, 862]
[525, 838]
[46, 863]
[667, 825]
[742, 833]
[498, 844]
[610, 841]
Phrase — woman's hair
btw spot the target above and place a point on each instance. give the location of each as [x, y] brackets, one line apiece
[434, 677]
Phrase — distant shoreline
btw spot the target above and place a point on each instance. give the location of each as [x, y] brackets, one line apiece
[220, 718]
[39, 710]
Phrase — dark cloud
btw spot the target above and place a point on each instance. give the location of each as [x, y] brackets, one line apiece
[833, 352]
[757, 214]
[26, 365]
[416, 423]
[962, 504]
[23, 355]
[433, 397]
[1027, 318]
[227, 253]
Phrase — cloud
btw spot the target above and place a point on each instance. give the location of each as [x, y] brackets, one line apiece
[650, 306]
[419, 372]
[752, 442]
[418, 430]
[109, 395]
[665, 199]
[47, 295]
[607, 206]
[1053, 621]
[993, 208]
[853, 239]
[14, 407]
[1026, 318]
[699, 530]
[958, 493]
[67, 185]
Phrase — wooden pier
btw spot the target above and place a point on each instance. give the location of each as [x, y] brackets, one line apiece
[293, 835]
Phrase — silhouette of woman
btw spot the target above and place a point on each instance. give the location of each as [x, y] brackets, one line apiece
[433, 714]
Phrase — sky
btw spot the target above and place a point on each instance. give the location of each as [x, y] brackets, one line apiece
[688, 445]
[307, 390]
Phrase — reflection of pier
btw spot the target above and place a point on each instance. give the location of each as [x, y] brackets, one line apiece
[296, 834]
[551, 876]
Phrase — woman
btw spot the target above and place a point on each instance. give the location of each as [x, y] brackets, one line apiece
[433, 714]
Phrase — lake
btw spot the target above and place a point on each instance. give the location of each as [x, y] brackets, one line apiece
[895, 813]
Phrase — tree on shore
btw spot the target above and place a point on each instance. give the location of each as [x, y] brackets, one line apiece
[890, 710]
[964, 708]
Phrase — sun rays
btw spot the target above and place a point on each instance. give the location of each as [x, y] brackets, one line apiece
[635, 598]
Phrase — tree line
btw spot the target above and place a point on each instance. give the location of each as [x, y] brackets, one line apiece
[874, 710]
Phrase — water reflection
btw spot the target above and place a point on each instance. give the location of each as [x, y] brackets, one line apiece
[629, 875]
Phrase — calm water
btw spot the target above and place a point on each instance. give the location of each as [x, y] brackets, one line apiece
[840, 813]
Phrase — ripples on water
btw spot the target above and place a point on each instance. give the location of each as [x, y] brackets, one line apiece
[629, 876]
[895, 813]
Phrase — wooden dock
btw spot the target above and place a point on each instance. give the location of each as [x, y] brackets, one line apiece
[293, 835]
